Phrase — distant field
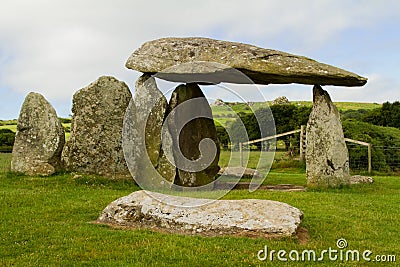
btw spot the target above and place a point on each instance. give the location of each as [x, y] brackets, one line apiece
[225, 114]
[12, 125]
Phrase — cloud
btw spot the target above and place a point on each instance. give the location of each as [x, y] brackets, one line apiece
[58, 47]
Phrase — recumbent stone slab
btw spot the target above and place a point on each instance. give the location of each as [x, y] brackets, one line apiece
[184, 215]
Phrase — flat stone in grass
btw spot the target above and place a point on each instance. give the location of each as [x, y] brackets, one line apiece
[194, 216]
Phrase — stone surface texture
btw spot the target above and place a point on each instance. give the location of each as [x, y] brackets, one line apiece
[150, 108]
[39, 139]
[95, 143]
[184, 215]
[359, 179]
[281, 100]
[239, 172]
[327, 157]
[262, 66]
[190, 123]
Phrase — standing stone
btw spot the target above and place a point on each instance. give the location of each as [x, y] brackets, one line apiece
[327, 158]
[95, 143]
[195, 143]
[151, 107]
[39, 140]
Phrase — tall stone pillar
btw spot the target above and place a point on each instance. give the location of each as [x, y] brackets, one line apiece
[327, 157]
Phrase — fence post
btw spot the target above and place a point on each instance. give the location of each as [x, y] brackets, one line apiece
[302, 143]
[369, 158]
[241, 154]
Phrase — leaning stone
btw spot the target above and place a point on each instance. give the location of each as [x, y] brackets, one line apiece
[358, 179]
[213, 61]
[95, 143]
[327, 158]
[184, 215]
[39, 139]
[192, 129]
[151, 107]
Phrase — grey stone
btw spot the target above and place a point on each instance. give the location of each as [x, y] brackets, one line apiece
[327, 157]
[195, 143]
[359, 179]
[213, 61]
[217, 103]
[39, 139]
[95, 143]
[239, 172]
[184, 215]
[282, 100]
[151, 107]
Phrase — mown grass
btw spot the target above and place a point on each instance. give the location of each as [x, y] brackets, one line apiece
[47, 222]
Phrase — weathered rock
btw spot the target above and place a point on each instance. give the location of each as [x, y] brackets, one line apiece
[358, 179]
[184, 215]
[218, 102]
[95, 143]
[151, 107]
[327, 157]
[39, 139]
[282, 100]
[263, 66]
[195, 142]
[239, 172]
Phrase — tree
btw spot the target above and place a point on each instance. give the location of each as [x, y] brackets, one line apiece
[387, 115]
[7, 138]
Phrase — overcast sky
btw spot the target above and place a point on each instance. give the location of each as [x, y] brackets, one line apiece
[57, 47]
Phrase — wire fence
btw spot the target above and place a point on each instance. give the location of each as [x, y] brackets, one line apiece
[385, 159]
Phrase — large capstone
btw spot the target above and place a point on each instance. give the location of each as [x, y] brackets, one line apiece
[95, 143]
[195, 143]
[184, 215]
[39, 139]
[327, 157]
[212, 61]
[143, 133]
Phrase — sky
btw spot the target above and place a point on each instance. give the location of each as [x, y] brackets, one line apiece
[58, 47]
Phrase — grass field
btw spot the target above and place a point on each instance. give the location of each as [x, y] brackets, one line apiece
[47, 222]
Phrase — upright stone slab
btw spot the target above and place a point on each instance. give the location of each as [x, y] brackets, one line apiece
[151, 107]
[195, 143]
[327, 157]
[95, 143]
[39, 139]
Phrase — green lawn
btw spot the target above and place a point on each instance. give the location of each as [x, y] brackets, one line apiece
[47, 222]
